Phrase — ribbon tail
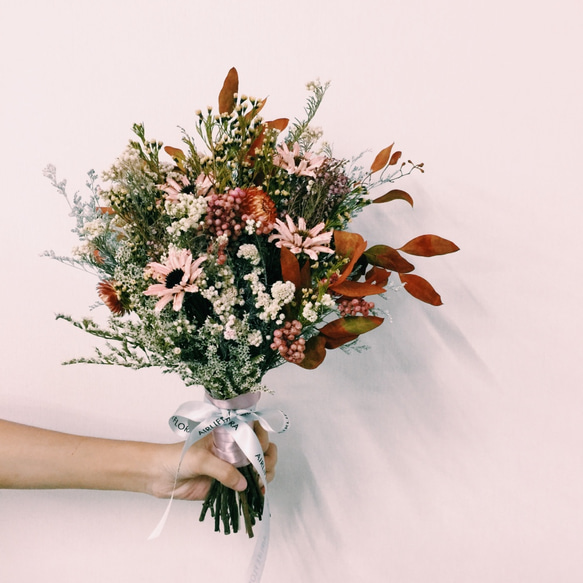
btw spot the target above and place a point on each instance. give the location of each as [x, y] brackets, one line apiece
[160, 526]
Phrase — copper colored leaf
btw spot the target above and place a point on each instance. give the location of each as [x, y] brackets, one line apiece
[428, 246]
[394, 195]
[332, 343]
[256, 145]
[305, 276]
[350, 325]
[395, 158]
[388, 258]
[381, 159]
[278, 124]
[356, 289]
[227, 94]
[378, 275]
[315, 352]
[175, 153]
[255, 111]
[421, 289]
[348, 244]
[290, 267]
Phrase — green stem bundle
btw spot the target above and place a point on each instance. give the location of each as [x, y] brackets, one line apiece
[226, 506]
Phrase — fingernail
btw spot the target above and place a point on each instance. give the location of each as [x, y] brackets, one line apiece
[241, 484]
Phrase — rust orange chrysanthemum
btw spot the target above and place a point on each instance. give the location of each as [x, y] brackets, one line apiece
[110, 296]
[257, 205]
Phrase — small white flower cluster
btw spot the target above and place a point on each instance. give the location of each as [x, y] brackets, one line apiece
[270, 305]
[127, 160]
[94, 228]
[251, 226]
[189, 211]
[250, 253]
[81, 251]
[312, 309]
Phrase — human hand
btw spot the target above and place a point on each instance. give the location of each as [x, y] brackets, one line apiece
[199, 466]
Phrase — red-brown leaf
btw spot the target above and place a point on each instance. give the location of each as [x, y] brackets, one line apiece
[378, 275]
[228, 91]
[388, 258]
[175, 153]
[315, 352]
[278, 124]
[256, 145]
[428, 246]
[350, 245]
[350, 326]
[332, 343]
[305, 276]
[357, 289]
[421, 289]
[290, 267]
[395, 158]
[255, 111]
[381, 159]
[394, 195]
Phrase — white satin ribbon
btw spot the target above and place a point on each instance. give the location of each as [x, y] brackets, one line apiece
[195, 419]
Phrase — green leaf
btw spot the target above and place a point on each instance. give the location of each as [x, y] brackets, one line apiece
[388, 258]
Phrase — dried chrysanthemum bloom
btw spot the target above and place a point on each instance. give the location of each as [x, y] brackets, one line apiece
[258, 206]
[111, 297]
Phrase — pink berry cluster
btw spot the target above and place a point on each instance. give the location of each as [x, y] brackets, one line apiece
[354, 307]
[287, 343]
[223, 213]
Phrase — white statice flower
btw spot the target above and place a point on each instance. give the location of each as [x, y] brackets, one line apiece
[230, 331]
[250, 253]
[212, 328]
[283, 292]
[309, 313]
[81, 251]
[94, 228]
[327, 301]
[251, 226]
[255, 338]
[189, 211]
[269, 305]
[129, 159]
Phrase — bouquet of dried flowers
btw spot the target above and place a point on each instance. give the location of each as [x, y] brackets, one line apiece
[231, 256]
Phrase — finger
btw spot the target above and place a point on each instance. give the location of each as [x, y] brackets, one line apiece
[270, 461]
[262, 436]
[224, 472]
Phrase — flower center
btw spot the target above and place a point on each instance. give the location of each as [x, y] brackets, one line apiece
[174, 277]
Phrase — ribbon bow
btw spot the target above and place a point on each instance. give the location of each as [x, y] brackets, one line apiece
[195, 419]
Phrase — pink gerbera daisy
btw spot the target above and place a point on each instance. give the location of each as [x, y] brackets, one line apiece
[301, 240]
[176, 275]
[291, 160]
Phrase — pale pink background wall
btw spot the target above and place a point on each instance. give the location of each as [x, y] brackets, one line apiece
[464, 458]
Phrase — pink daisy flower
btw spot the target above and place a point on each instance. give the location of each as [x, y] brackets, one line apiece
[301, 240]
[177, 275]
[172, 188]
[291, 160]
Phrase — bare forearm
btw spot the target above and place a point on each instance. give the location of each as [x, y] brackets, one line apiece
[37, 458]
